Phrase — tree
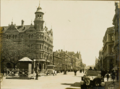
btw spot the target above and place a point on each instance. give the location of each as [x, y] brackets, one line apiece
[13, 51]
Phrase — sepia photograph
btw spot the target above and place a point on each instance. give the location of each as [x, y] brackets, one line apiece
[59, 44]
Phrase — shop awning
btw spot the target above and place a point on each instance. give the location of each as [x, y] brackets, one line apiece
[48, 61]
[115, 68]
[25, 59]
[40, 60]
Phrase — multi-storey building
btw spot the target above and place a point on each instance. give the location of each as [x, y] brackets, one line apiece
[34, 41]
[101, 59]
[96, 63]
[116, 33]
[67, 60]
[108, 55]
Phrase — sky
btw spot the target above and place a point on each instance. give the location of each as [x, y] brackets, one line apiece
[77, 25]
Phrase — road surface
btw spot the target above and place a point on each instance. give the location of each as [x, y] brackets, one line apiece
[60, 81]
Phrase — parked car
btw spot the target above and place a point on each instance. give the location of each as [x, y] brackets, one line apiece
[50, 70]
[92, 78]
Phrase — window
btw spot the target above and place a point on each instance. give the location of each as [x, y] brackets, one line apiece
[13, 36]
[32, 36]
[29, 35]
[9, 37]
[40, 46]
[21, 36]
[112, 38]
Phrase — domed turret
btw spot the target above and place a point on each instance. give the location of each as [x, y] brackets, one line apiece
[39, 10]
[38, 22]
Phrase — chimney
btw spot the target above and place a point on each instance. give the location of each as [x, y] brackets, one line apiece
[22, 22]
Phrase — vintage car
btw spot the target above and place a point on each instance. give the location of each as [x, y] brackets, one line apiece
[92, 78]
[50, 70]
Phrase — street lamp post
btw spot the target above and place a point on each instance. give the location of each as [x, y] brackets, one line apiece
[53, 58]
[64, 64]
[34, 66]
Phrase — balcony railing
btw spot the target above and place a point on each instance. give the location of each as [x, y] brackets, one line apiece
[108, 55]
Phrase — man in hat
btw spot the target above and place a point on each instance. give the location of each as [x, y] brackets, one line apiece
[37, 70]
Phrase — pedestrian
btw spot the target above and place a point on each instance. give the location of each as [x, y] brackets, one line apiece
[117, 75]
[107, 76]
[90, 68]
[113, 75]
[103, 74]
[37, 71]
[83, 70]
[75, 71]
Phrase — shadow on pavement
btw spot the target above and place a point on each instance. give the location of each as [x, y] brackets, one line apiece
[23, 78]
[72, 88]
[79, 76]
[76, 84]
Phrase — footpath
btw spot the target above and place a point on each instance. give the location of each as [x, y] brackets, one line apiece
[110, 83]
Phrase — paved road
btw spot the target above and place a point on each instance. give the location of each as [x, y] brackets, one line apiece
[59, 81]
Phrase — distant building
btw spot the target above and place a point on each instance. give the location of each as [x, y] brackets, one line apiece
[101, 59]
[34, 41]
[67, 60]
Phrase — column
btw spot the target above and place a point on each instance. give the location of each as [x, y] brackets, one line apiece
[108, 37]
[107, 64]
[108, 49]
[43, 66]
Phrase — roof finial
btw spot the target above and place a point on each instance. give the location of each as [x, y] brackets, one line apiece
[12, 21]
[39, 3]
[31, 22]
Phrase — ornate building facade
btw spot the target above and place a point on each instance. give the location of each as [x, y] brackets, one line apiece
[33, 41]
[108, 54]
[116, 33]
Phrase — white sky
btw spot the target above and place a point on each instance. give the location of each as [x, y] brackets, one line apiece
[77, 25]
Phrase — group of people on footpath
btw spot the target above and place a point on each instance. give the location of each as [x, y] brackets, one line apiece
[113, 75]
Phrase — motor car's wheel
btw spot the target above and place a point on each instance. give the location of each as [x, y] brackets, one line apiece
[97, 82]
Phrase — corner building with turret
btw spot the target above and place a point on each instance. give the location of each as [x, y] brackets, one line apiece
[32, 41]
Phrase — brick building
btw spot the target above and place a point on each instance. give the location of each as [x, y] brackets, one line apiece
[33, 41]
